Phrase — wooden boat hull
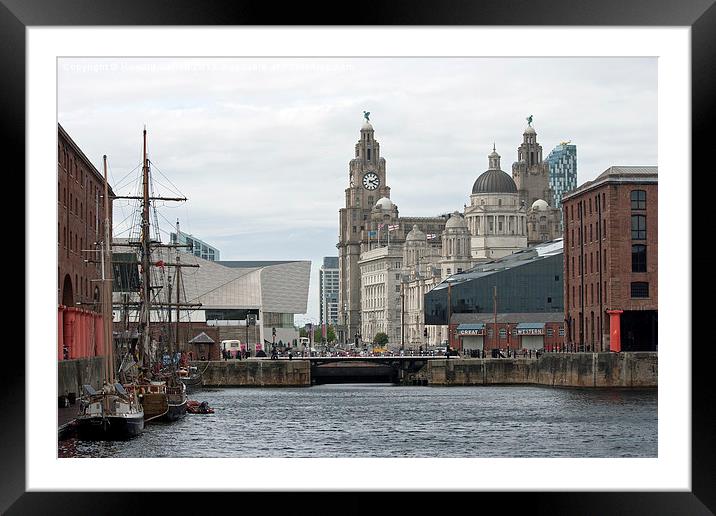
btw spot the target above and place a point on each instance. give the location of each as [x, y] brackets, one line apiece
[110, 428]
[155, 405]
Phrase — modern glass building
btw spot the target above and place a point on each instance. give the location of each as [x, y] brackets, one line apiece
[527, 281]
[562, 163]
[329, 279]
[198, 247]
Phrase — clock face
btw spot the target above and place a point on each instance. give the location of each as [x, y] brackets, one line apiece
[371, 181]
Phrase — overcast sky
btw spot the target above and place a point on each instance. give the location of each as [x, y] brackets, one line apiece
[260, 147]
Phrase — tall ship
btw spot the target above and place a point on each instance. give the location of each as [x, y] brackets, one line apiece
[113, 412]
[148, 296]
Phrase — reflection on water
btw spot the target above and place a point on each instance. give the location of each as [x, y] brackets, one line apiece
[380, 420]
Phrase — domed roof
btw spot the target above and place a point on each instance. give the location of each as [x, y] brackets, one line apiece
[540, 204]
[366, 126]
[494, 181]
[384, 204]
[415, 234]
[455, 221]
[530, 130]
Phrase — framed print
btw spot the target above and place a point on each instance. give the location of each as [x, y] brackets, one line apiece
[255, 123]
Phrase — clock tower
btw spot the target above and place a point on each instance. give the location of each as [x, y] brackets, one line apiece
[366, 185]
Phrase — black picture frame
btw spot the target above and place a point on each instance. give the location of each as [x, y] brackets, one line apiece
[699, 15]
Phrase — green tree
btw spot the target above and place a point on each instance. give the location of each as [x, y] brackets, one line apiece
[380, 339]
[331, 334]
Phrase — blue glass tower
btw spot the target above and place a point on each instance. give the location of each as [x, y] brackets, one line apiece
[562, 163]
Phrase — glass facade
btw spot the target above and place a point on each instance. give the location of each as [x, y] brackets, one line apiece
[528, 286]
[562, 163]
[198, 247]
[230, 314]
[278, 320]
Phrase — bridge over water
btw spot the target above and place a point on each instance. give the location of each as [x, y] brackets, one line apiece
[378, 369]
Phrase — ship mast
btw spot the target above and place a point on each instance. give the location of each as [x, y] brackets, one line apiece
[146, 284]
[107, 283]
[178, 278]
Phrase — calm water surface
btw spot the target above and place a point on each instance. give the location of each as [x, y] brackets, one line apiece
[379, 420]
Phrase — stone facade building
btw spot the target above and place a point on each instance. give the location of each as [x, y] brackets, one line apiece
[380, 293]
[495, 217]
[532, 178]
[366, 185]
[505, 214]
[421, 272]
[370, 221]
[456, 254]
[611, 260]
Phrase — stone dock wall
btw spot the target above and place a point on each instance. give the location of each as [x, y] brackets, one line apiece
[73, 374]
[255, 373]
[630, 370]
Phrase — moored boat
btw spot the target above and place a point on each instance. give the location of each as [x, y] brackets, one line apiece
[109, 414]
[195, 407]
[176, 398]
[191, 378]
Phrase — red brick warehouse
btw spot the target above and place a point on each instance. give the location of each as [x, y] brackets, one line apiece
[80, 224]
[610, 260]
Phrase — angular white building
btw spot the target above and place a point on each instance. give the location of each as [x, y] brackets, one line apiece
[230, 292]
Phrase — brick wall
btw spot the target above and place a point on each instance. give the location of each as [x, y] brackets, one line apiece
[598, 232]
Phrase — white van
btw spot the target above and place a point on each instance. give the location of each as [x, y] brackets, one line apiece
[232, 346]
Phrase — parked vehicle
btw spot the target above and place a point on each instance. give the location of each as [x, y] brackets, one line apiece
[233, 346]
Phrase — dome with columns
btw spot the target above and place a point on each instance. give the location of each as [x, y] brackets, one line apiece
[416, 235]
[455, 221]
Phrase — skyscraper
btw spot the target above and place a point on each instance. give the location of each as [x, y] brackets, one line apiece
[562, 163]
[328, 280]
